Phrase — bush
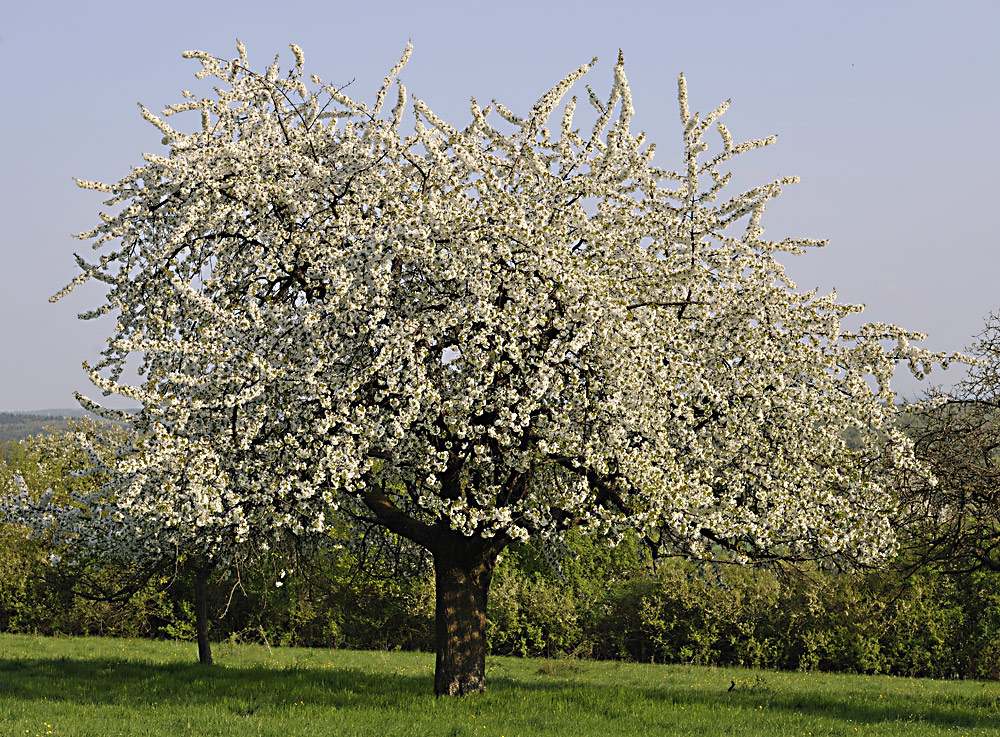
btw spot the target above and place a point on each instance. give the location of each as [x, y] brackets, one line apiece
[605, 603]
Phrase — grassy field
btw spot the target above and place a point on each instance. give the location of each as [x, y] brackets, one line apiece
[63, 687]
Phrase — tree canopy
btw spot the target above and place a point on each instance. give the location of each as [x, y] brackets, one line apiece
[477, 335]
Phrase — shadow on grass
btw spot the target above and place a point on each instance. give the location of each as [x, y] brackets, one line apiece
[100, 681]
[244, 690]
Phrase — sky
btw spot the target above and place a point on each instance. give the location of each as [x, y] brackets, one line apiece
[885, 109]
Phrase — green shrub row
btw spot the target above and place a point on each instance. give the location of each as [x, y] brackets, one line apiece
[921, 625]
[607, 605]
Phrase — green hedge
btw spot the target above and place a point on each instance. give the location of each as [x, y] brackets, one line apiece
[808, 619]
[610, 605]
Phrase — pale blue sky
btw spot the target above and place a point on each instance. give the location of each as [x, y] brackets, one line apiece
[887, 110]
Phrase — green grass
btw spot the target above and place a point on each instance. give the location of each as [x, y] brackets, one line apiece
[91, 686]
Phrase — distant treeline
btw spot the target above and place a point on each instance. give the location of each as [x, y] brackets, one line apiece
[15, 426]
[20, 425]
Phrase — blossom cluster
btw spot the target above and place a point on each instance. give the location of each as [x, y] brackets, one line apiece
[503, 330]
[59, 491]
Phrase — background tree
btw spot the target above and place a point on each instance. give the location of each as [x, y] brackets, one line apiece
[65, 491]
[480, 335]
[16, 426]
[951, 517]
[51, 503]
[51, 483]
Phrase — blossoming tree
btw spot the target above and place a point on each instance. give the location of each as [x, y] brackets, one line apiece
[477, 335]
[49, 486]
[99, 547]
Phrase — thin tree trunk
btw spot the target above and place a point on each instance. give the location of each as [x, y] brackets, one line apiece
[462, 575]
[201, 613]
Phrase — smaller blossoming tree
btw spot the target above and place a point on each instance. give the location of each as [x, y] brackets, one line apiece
[101, 548]
[472, 336]
[56, 489]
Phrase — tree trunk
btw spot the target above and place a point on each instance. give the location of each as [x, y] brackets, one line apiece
[463, 569]
[462, 574]
[201, 613]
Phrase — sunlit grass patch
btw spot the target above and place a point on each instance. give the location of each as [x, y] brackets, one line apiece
[93, 686]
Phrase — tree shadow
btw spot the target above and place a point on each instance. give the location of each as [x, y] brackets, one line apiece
[104, 681]
[247, 689]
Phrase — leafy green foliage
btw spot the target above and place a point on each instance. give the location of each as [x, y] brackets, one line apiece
[603, 603]
[610, 606]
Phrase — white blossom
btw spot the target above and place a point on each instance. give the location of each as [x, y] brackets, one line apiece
[479, 329]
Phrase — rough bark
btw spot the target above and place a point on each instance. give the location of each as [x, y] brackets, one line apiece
[463, 569]
[462, 575]
[201, 613]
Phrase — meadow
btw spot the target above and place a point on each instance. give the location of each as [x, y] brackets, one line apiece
[92, 686]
